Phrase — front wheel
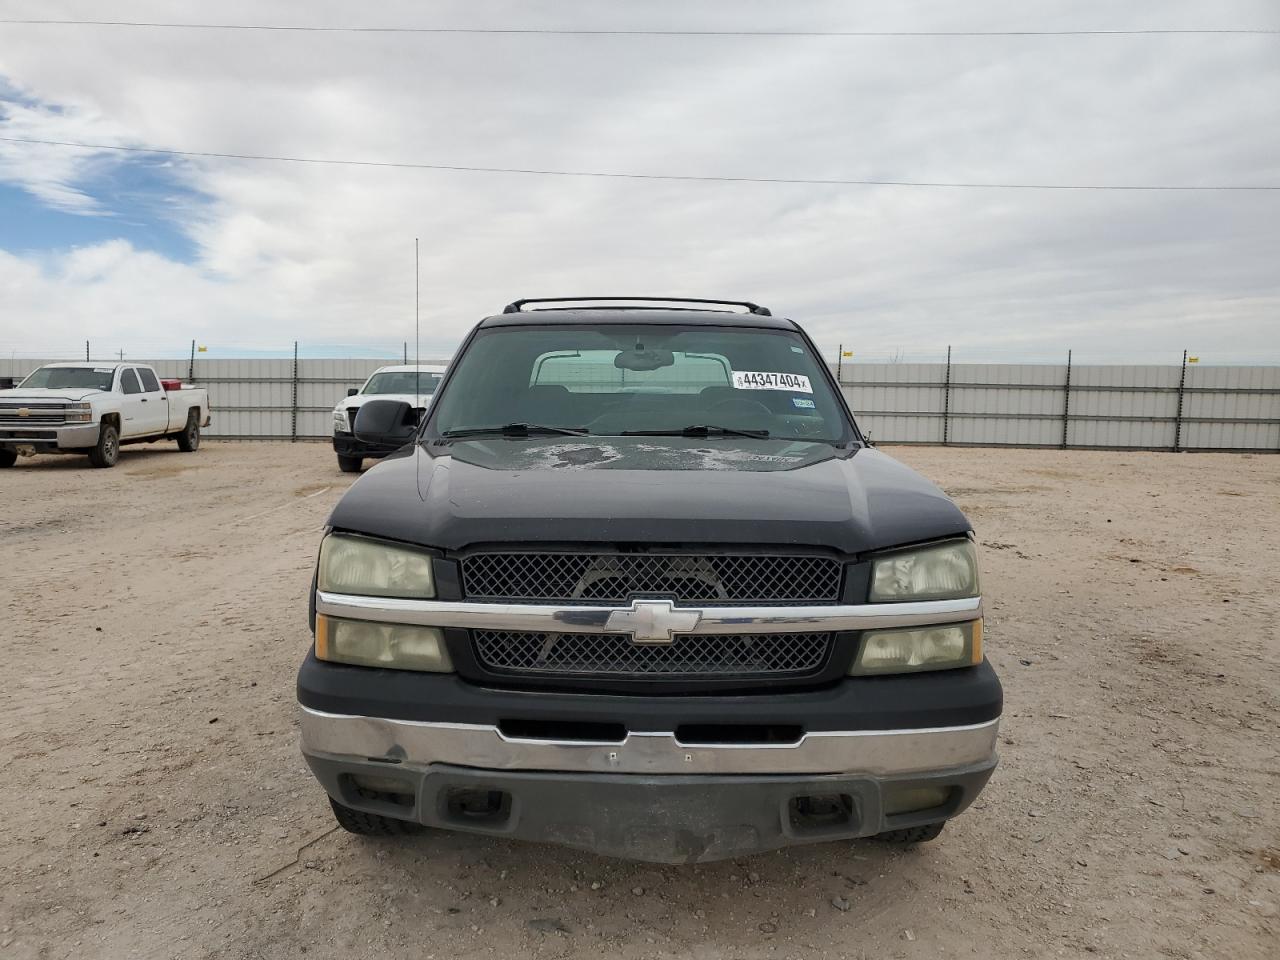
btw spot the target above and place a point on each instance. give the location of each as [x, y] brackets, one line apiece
[189, 438]
[350, 464]
[106, 451]
[8, 457]
[372, 824]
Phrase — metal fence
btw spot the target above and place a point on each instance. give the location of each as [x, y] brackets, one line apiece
[1188, 407]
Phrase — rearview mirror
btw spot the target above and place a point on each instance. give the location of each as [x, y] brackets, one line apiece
[352, 391]
[385, 423]
[643, 360]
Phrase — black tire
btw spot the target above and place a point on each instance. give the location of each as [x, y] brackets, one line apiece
[189, 438]
[106, 451]
[8, 458]
[372, 824]
[910, 835]
[350, 464]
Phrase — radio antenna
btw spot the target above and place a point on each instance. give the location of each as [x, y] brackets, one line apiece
[417, 341]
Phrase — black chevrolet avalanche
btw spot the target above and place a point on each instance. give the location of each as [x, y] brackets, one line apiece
[639, 585]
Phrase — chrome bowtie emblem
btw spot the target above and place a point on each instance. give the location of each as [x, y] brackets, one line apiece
[24, 411]
[652, 621]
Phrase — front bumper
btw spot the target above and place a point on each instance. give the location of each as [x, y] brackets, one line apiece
[642, 773]
[51, 438]
[648, 797]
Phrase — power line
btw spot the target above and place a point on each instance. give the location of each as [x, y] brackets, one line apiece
[539, 31]
[685, 178]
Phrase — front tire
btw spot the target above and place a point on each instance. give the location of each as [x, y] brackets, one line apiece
[372, 824]
[911, 835]
[189, 438]
[106, 451]
[8, 458]
[350, 464]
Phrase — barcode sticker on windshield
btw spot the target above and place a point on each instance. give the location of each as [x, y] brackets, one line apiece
[103, 370]
[748, 380]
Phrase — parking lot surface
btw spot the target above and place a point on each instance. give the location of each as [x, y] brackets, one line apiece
[156, 804]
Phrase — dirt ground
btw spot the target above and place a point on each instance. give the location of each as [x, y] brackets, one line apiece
[156, 805]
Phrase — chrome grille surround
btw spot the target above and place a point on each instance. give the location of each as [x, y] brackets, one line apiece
[616, 656]
[594, 578]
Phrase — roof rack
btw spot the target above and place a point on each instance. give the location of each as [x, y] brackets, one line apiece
[518, 305]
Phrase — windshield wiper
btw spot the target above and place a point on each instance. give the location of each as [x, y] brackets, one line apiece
[699, 430]
[514, 430]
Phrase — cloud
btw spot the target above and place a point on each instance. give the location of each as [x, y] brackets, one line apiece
[325, 254]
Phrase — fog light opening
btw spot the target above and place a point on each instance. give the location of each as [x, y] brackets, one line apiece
[382, 789]
[900, 800]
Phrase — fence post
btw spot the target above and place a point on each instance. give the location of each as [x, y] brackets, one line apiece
[295, 394]
[191, 367]
[1177, 421]
[946, 401]
[1066, 402]
[839, 363]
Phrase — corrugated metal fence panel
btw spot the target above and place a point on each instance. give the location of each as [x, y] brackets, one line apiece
[990, 404]
[900, 402]
[1218, 398]
[1017, 404]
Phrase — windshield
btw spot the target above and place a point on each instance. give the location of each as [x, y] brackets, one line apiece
[81, 378]
[614, 380]
[402, 381]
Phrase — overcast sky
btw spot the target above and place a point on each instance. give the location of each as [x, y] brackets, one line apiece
[142, 252]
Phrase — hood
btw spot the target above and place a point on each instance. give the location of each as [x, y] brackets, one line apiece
[360, 399]
[647, 490]
[48, 394]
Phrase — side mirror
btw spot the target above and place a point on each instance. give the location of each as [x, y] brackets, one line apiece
[352, 391]
[385, 423]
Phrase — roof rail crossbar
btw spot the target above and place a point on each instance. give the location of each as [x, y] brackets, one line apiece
[516, 306]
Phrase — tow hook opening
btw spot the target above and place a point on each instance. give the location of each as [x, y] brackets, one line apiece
[377, 789]
[821, 813]
[477, 808]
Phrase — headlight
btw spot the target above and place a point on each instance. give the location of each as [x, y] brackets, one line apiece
[920, 648]
[340, 421]
[79, 412]
[371, 568]
[944, 572]
[392, 645]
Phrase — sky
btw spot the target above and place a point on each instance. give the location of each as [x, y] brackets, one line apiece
[144, 252]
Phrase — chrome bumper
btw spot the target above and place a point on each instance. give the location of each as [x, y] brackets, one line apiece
[624, 620]
[72, 436]
[881, 753]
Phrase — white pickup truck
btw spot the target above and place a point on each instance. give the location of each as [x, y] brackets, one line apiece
[93, 408]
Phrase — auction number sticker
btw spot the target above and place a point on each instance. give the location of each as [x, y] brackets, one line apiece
[755, 380]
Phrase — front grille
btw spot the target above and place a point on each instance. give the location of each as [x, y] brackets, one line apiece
[618, 577]
[38, 414]
[612, 655]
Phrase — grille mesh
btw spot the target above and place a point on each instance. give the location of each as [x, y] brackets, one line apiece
[616, 578]
[605, 655]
